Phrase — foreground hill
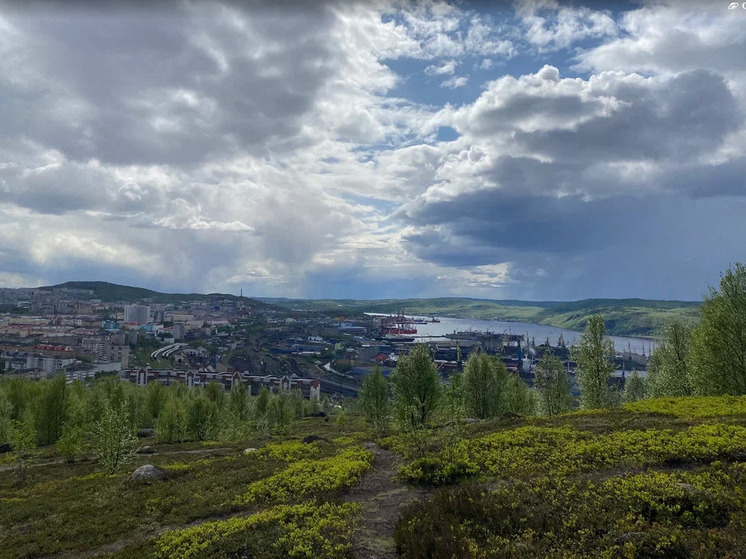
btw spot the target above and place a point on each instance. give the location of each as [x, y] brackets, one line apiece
[659, 478]
[624, 317]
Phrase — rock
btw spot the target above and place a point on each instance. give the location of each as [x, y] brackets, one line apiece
[145, 450]
[5, 447]
[145, 433]
[320, 413]
[470, 420]
[148, 472]
[250, 450]
[312, 439]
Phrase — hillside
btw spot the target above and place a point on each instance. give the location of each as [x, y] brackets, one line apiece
[657, 478]
[624, 317]
[111, 292]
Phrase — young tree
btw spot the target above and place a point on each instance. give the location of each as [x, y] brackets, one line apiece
[484, 383]
[374, 400]
[72, 442]
[454, 409]
[172, 421]
[280, 414]
[519, 398]
[668, 367]
[215, 392]
[553, 385]
[23, 439]
[417, 388]
[238, 402]
[201, 416]
[6, 418]
[114, 436]
[635, 388]
[297, 403]
[718, 352]
[155, 399]
[261, 410]
[595, 358]
[52, 408]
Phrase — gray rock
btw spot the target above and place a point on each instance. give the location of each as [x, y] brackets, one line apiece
[148, 472]
[145, 450]
[145, 433]
[250, 450]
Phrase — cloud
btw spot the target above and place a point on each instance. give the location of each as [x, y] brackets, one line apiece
[550, 26]
[552, 171]
[455, 82]
[673, 37]
[444, 70]
[303, 151]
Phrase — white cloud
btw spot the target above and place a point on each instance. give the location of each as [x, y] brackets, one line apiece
[206, 146]
[445, 69]
[455, 82]
[549, 26]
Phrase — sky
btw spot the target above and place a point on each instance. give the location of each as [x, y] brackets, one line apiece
[537, 149]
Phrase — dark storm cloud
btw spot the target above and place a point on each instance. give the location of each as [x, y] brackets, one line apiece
[489, 227]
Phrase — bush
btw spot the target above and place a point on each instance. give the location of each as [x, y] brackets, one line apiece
[307, 478]
[308, 531]
[434, 472]
[653, 514]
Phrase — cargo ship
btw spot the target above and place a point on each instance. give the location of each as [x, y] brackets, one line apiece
[398, 324]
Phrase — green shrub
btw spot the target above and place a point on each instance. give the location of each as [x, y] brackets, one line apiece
[434, 472]
[307, 478]
[653, 514]
[308, 530]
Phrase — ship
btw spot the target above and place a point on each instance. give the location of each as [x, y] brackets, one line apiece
[398, 324]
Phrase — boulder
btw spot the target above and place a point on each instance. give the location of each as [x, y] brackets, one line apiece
[145, 450]
[148, 472]
[312, 439]
[145, 433]
[250, 450]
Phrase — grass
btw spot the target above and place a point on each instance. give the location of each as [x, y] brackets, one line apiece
[658, 478]
[70, 507]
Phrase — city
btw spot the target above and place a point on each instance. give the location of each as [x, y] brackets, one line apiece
[226, 339]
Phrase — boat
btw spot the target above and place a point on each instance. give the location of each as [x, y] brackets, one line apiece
[398, 324]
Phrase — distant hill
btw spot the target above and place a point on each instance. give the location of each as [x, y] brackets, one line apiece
[623, 317]
[111, 292]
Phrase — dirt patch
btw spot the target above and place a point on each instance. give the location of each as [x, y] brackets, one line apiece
[381, 497]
